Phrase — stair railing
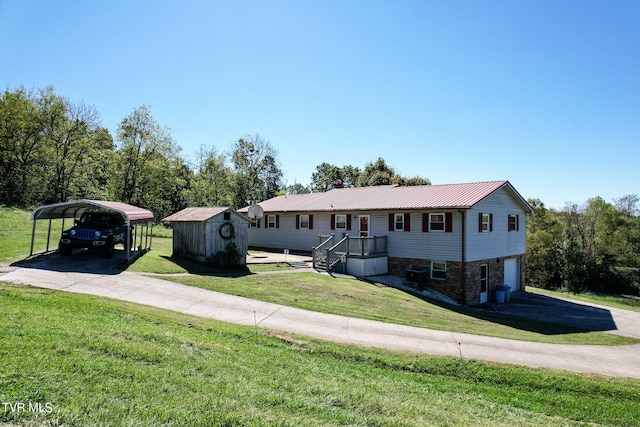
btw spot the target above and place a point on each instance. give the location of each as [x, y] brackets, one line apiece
[319, 252]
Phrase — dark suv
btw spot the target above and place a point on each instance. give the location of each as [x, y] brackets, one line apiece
[96, 231]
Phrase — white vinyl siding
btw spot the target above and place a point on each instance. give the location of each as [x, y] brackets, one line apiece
[418, 244]
[500, 242]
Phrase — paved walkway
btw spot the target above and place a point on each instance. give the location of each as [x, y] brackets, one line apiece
[614, 361]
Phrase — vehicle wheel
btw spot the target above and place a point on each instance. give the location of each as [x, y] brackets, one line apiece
[64, 250]
[108, 250]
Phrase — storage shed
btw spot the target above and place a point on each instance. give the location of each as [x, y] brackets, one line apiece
[209, 234]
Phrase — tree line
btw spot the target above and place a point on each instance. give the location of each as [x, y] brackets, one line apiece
[591, 247]
[54, 150]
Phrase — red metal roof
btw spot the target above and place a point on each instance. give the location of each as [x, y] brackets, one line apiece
[197, 214]
[390, 197]
[75, 208]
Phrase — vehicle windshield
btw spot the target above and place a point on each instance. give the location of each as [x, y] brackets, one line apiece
[101, 218]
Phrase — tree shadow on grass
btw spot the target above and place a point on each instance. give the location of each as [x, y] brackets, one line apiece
[194, 267]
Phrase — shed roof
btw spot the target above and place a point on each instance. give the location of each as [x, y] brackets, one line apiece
[197, 214]
[76, 208]
[390, 197]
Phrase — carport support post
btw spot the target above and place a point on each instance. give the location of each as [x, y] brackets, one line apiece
[33, 234]
[128, 243]
[48, 235]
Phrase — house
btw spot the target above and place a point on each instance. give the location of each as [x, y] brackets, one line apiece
[463, 240]
[206, 232]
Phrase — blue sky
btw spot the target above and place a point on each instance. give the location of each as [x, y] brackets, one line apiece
[545, 94]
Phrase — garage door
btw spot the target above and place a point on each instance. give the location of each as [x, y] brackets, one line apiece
[512, 273]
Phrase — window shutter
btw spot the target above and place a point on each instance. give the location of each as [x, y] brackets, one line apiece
[333, 221]
[425, 222]
[258, 222]
[517, 222]
[480, 222]
[297, 222]
[310, 222]
[490, 222]
[407, 222]
[277, 221]
[348, 222]
[448, 222]
[390, 222]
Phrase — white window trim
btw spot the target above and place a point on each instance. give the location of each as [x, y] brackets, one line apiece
[515, 222]
[437, 222]
[269, 223]
[486, 225]
[338, 221]
[396, 222]
[301, 222]
[438, 270]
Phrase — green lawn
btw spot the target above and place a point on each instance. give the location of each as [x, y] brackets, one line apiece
[15, 234]
[89, 361]
[318, 292]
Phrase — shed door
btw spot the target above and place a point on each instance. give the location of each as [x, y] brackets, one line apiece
[512, 273]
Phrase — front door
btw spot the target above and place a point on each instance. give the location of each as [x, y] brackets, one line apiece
[484, 283]
[364, 225]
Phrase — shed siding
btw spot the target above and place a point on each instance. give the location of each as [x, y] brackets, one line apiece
[202, 238]
[500, 242]
[189, 238]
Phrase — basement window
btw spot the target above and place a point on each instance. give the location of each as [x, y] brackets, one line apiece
[438, 270]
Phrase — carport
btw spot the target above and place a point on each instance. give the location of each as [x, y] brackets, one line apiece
[132, 215]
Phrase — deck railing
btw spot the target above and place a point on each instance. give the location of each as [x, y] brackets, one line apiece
[330, 254]
[367, 246]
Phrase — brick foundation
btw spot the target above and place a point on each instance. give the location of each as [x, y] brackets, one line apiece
[452, 286]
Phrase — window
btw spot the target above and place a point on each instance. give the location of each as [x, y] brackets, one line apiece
[254, 223]
[514, 223]
[438, 270]
[304, 221]
[398, 222]
[436, 222]
[271, 221]
[485, 222]
[226, 216]
[341, 222]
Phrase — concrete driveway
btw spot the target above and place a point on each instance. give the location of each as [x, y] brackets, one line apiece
[71, 275]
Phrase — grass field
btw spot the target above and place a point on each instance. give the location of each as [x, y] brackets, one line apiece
[337, 296]
[88, 361]
[77, 360]
[354, 298]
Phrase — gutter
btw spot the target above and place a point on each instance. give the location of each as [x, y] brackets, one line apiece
[463, 264]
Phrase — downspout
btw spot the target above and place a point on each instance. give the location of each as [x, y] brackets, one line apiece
[463, 264]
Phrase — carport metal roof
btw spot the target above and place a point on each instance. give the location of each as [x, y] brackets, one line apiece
[75, 208]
